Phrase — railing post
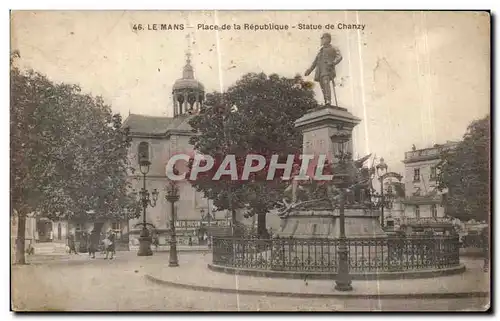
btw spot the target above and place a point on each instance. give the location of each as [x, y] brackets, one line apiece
[437, 250]
[390, 249]
[283, 252]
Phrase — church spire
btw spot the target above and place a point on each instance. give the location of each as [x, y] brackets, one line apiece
[188, 93]
[188, 71]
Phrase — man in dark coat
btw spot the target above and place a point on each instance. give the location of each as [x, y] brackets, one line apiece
[93, 243]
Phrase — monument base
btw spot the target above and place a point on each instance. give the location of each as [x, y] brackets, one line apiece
[325, 224]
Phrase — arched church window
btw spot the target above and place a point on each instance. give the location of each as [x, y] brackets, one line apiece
[143, 152]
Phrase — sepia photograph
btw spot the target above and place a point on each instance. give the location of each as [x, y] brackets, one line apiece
[250, 161]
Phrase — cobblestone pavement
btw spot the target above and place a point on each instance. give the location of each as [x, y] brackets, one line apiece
[82, 284]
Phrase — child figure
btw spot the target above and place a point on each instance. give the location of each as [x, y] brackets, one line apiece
[109, 244]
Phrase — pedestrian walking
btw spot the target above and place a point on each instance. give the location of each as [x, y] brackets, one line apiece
[31, 249]
[109, 244]
[156, 242]
[72, 243]
[93, 243]
[102, 245]
[209, 241]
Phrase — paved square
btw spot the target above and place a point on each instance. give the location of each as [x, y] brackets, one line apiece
[82, 284]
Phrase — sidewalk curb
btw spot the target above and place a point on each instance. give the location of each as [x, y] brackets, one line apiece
[430, 295]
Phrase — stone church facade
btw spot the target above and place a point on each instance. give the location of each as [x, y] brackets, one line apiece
[160, 138]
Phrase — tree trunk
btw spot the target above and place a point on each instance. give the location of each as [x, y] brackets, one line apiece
[233, 217]
[20, 240]
[261, 225]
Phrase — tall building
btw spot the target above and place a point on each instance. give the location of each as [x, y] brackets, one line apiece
[157, 139]
[423, 200]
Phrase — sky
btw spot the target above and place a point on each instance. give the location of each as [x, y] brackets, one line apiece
[412, 77]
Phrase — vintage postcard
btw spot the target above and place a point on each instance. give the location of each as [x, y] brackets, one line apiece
[250, 160]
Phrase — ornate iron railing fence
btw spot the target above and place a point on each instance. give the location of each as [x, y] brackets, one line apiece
[320, 255]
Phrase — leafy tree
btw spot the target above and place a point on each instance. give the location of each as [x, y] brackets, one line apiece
[465, 172]
[68, 154]
[254, 116]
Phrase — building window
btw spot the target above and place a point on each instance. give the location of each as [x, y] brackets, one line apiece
[433, 211]
[433, 173]
[143, 152]
[416, 175]
[417, 211]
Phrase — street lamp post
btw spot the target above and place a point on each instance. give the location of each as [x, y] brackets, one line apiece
[341, 179]
[144, 236]
[381, 171]
[227, 138]
[173, 196]
[343, 282]
[388, 201]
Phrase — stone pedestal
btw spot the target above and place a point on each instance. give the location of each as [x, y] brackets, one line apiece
[319, 125]
[319, 128]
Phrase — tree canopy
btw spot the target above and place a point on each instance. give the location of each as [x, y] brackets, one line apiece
[68, 152]
[465, 172]
[254, 116]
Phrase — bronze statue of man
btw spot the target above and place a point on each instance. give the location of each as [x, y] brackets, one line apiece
[326, 60]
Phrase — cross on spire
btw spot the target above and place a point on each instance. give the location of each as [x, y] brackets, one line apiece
[188, 72]
[188, 48]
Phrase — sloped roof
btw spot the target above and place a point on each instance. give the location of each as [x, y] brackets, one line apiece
[179, 121]
[184, 123]
[147, 124]
[155, 125]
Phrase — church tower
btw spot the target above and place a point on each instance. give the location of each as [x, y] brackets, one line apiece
[188, 93]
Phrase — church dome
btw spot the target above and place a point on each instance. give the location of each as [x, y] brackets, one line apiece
[183, 83]
[188, 93]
